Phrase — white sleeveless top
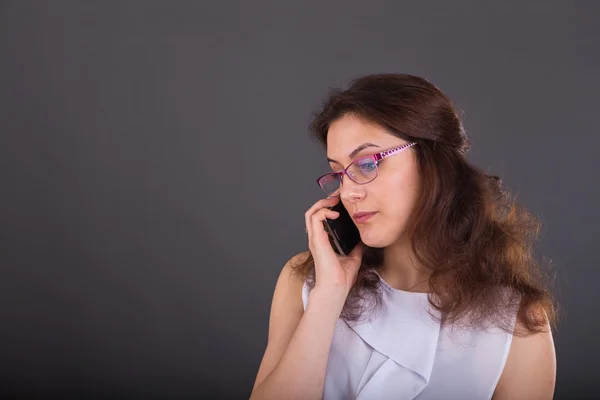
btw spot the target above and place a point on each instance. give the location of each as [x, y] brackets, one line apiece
[404, 353]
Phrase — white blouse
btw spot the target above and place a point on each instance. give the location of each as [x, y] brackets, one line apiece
[404, 353]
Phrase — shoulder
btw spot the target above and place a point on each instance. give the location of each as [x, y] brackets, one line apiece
[288, 290]
[530, 369]
[286, 311]
[296, 268]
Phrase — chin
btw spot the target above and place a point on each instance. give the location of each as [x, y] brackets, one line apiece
[377, 238]
[372, 239]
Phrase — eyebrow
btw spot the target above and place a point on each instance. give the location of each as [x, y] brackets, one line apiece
[355, 151]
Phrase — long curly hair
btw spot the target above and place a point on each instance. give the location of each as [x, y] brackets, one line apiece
[466, 228]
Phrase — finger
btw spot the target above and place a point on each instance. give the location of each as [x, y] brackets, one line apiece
[323, 203]
[317, 235]
[316, 220]
[323, 214]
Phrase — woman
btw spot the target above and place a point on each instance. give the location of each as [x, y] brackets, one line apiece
[442, 299]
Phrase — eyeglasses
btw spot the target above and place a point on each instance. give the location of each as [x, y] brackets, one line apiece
[361, 171]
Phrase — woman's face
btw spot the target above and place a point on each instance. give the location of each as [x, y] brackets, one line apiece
[391, 196]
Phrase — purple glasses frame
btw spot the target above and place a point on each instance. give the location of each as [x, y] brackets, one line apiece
[375, 157]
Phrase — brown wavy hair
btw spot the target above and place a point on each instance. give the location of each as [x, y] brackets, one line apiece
[466, 228]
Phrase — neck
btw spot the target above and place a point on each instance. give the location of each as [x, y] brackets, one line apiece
[400, 270]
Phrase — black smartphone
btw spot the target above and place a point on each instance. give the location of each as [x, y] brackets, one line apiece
[343, 233]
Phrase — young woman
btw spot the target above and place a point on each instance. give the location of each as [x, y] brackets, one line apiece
[442, 299]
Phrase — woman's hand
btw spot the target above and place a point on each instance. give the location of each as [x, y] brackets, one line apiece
[333, 272]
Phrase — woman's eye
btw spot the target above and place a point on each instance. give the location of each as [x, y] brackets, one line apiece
[369, 166]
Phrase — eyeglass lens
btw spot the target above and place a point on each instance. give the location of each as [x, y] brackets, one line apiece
[361, 171]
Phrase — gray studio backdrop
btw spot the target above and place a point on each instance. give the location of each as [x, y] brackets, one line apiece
[155, 166]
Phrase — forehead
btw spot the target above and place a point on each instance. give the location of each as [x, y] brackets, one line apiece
[348, 132]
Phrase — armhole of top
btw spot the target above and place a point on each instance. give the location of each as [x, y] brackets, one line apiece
[507, 345]
[305, 292]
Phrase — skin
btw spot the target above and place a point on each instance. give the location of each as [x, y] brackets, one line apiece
[296, 355]
[530, 369]
[392, 195]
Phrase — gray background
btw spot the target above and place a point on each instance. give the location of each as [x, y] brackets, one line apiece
[155, 166]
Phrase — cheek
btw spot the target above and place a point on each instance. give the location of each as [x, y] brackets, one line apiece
[401, 192]
[395, 201]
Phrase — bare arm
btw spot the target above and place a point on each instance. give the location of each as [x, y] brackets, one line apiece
[295, 359]
[530, 370]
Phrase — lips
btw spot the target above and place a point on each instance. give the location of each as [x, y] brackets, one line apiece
[360, 217]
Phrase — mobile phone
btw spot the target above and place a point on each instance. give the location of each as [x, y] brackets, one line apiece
[343, 233]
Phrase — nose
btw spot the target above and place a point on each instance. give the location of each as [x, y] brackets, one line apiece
[350, 191]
